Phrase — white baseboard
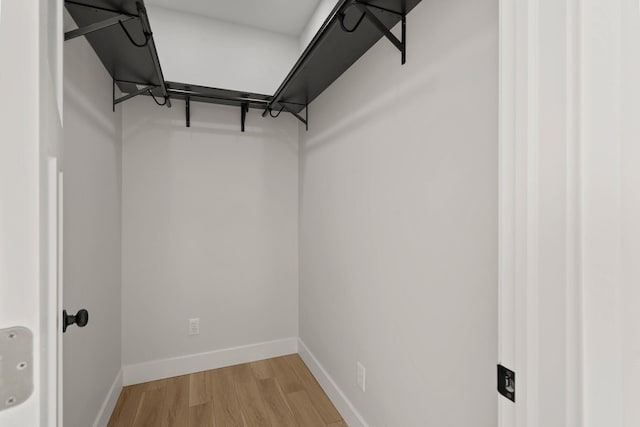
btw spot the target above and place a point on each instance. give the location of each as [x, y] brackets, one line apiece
[183, 365]
[109, 402]
[336, 395]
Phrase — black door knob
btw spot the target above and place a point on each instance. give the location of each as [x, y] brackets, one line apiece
[81, 318]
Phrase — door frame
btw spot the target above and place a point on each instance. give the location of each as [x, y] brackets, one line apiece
[31, 123]
[568, 113]
[540, 210]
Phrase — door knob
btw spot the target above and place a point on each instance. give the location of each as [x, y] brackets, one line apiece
[81, 318]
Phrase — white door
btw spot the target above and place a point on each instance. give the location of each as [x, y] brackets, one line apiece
[30, 129]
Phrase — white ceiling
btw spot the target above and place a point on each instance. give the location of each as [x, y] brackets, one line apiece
[280, 16]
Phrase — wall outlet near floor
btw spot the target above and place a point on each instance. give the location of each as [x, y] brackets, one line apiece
[362, 376]
[194, 326]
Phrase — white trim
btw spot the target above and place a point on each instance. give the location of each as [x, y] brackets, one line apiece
[573, 251]
[60, 303]
[506, 199]
[540, 211]
[528, 217]
[189, 364]
[348, 411]
[109, 403]
[51, 308]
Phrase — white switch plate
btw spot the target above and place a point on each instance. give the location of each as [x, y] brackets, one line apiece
[194, 326]
[362, 376]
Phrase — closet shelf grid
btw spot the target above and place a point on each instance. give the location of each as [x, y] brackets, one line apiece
[120, 33]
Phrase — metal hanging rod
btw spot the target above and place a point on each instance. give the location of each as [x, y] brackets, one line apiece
[244, 107]
[118, 50]
[146, 28]
[307, 54]
[212, 97]
[340, 42]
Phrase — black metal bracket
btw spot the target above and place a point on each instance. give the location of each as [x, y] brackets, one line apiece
[244, 109]
[119, 19]
[187, 111]
[284, 107]
[146, 29]
[365, 8]
[304, 119]
[144, 90]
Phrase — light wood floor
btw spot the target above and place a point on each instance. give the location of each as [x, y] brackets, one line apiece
[279, 392]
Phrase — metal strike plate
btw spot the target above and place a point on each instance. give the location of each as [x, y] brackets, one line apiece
[507, 383]
[16, 366]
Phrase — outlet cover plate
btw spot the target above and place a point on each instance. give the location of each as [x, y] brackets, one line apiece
[194, 326]
[362, 377]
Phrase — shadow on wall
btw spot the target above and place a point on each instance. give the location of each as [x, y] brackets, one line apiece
[208, 119]
[397, 86]
[398, 222]
[85, 110]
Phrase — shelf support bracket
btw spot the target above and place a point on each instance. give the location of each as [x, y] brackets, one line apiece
[244, 109]
[129, 95]
[304, 119]
[401, 45]
[83, 31]
[119, 19]
[187, 107]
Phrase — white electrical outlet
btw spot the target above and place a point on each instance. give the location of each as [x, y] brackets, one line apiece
[194, 326]
[362, 376]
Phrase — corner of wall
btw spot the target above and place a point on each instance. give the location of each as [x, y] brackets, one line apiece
[330, 387]
[185, 365]
[109, 404]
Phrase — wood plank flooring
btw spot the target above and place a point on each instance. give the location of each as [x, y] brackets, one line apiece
[279, 392]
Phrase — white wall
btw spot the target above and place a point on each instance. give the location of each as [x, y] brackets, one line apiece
[205, 51]
[315, 22]
[92, 228]
[209, 229]
[398, 223]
